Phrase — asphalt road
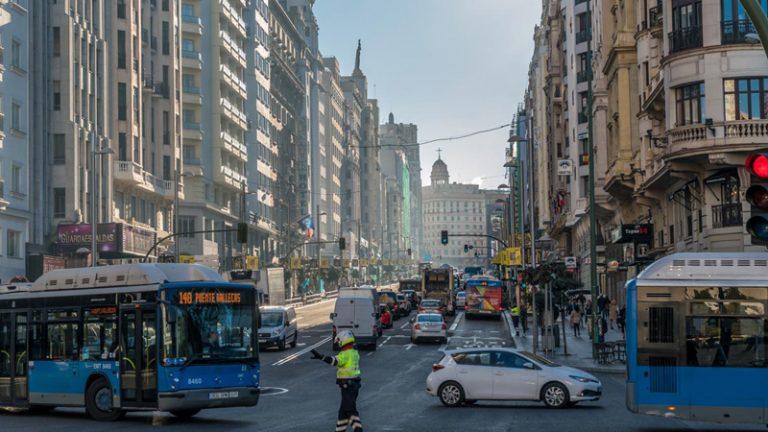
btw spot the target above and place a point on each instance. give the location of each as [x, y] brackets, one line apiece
[301, 394]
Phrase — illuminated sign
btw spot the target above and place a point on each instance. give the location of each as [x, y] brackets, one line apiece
[189, 297]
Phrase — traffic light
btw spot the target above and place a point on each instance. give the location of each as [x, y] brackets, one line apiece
[242, 232]
[410, 252]
[342, 243]
[466, 248]
[757, 196]
[444, 237]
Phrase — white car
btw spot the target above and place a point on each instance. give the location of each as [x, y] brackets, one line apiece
[461, 299]
[467, 375]
[428, 326]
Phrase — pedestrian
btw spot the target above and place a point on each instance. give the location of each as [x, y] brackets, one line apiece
[347, 364]
[524, 318]
[516, 319]
[576, 322]
[621, 320]
[613, 311]
[602, 303]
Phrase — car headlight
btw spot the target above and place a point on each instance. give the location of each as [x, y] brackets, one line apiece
[584, 379]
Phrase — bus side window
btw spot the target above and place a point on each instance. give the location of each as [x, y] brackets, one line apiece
[62, 341]
[661, 326]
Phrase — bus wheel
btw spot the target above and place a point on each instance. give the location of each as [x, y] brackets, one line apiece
[185, 414]
[98, 402]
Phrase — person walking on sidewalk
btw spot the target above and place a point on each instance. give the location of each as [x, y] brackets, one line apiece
[524, 318]
[576, 322]
[613, 311]
[621, 320]
[516, 319]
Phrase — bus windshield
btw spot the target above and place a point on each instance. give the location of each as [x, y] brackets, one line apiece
[208, 324]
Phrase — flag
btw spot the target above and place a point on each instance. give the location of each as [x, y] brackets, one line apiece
[309, 226]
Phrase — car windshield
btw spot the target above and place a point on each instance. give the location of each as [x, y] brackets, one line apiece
[209, 323]
[540, 359]
[430, 318]
[461, 294]
[271, 319]
[400, 297]
[430, 303]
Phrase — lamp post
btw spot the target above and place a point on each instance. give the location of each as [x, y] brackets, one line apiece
[759, 20]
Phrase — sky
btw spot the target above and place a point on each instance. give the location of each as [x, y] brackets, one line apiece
[449, 66]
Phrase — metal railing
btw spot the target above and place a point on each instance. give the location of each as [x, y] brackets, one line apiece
[726, 215]
[735, 31]
[583, 36]
[685, 38]
[584, 75]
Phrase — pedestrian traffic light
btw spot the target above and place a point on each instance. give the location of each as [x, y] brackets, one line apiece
[466, 248]
[242, 232]
[757, 196]
[410, 252]
[444, 237]
[342, 243]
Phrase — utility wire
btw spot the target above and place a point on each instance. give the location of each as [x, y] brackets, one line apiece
[453, 138]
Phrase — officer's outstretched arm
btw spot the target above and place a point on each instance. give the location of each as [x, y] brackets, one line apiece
[330, 360]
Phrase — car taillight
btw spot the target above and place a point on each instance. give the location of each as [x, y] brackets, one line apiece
[436, 367]
[444, 326]
[417, 327]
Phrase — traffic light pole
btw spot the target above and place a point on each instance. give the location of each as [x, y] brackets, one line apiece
[759, 19]
[480, 235]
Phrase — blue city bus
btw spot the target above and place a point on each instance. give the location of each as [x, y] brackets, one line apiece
[168, 337]
[696, 338]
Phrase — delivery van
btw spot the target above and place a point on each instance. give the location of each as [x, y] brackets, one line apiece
[357, 312]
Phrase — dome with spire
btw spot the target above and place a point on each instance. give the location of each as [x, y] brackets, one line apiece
[439, 172]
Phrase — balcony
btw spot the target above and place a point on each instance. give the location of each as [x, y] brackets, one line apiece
[735, 32]
[192, 95]
[3, 202]
[133, 175]
[583, 36]
[233, 81]
[234, 18]
[234, 146]
[685, 39]
[192, 24]
[656, 20]
[232, 48]
[739, 135]
[192, 130]
[726, 215]
[652, 97]
[192, 59]
[584, 76]
[232, 177]
[234, 114]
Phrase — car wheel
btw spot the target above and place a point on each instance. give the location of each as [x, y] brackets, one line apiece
[185, 414]
[451, 394]
[555, 395]
[98, 402]
[295, 339]
[281, 344]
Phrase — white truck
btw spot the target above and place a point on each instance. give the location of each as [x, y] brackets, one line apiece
[356, 311]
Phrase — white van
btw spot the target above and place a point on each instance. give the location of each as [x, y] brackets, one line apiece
[356, 311]
[278, 326]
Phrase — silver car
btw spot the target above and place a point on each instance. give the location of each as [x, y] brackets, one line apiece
[429, 326]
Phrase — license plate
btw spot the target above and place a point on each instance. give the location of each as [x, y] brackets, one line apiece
[223, 395]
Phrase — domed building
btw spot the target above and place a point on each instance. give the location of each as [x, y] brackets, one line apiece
[458, 208]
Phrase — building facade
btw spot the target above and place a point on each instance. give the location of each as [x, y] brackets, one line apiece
[459, 209]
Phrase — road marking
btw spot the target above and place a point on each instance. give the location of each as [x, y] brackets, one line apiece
[369, 354]
[409, 346]
[456, 321]
[402, 327]
[296, 355]
[385, 341]
[272, 391]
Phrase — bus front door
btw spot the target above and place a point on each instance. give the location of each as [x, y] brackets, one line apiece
[138, 364]
[13, 358]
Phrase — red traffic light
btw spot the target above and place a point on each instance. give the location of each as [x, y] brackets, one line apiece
[757, 164]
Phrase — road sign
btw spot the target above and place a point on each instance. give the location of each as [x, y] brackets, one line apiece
[571, 262]
[252, 262]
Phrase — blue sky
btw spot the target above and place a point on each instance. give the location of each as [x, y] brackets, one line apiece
[449, 66]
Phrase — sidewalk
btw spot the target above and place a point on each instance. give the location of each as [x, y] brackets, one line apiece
[579, 349]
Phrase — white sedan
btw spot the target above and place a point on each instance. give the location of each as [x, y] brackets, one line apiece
[428, 326]
[467, 375]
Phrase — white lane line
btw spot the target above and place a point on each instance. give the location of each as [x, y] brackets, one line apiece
[369, 354]
[407, 323]
[296, 355]
[456, 321]
[409, 346]
[385, 341]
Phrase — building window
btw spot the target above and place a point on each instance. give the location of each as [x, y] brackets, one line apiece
[59, 150]
[121, 9]
[56, 49]
[16, 117]
[122, 146]
[121, 50]
[59, 203]
[56, 95]
[166, 38]
[122, 101]
[728, 212]
[16, 179]
[690, 104]
[13, 245]
[16, 54]
[686, 26]
[736, 25]
[186, 226]
[745, 98]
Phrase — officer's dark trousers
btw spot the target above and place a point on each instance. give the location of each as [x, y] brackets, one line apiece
[348, 415]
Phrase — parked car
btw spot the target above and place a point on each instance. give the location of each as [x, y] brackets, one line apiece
[278, 326]
[405, 304]
[461, 300]
[465, 376]
[356, 311]
[431, 305]
[429, 326]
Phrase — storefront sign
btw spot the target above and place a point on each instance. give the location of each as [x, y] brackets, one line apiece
[70, 238]
[634, 233]
[137, 241]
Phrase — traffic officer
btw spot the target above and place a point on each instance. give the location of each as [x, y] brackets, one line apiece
[516, 319]
[347, 363]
